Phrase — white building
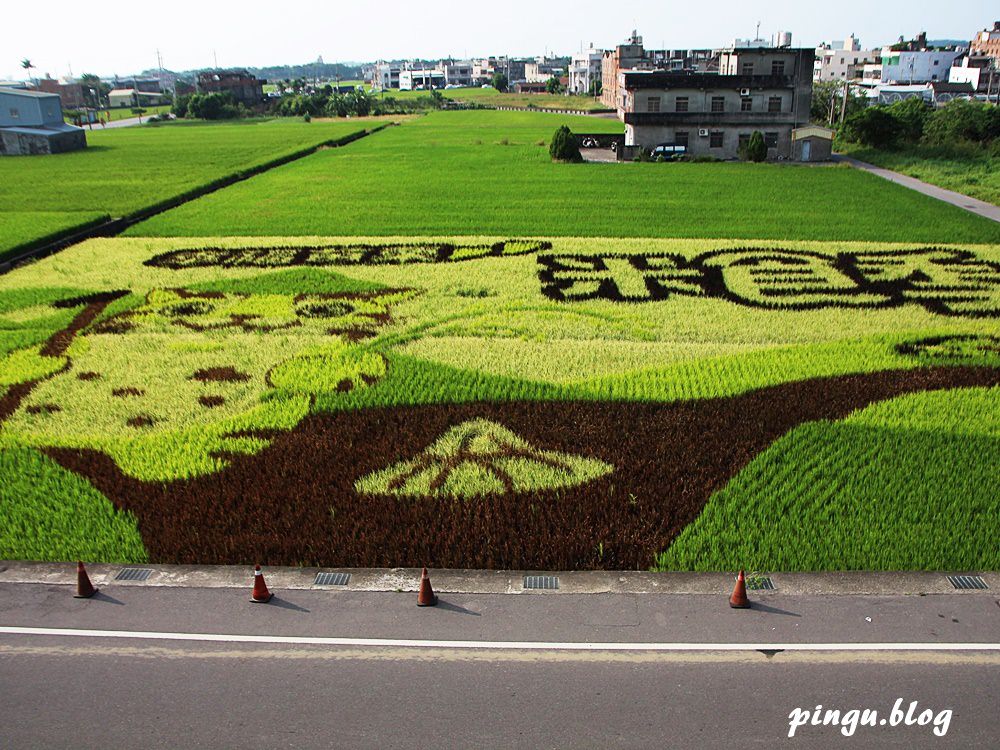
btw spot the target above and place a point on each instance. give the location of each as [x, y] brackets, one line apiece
[585, 70]
[410, 80]
[974, 70]
[385, 76]
[920, 66]
[842, 60]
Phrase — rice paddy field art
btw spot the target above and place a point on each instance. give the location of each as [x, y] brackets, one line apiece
[503, 402]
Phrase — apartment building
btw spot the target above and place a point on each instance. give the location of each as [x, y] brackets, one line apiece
[585, 70]
[764, 88]
[987, 43]
[843, 60]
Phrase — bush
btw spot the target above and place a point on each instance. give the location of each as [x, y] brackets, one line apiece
[565, 146]
[180, 106]
[961, 120]
[874, 127]
[215, 106]
[755, 149]
[499, 82]
[911, 117]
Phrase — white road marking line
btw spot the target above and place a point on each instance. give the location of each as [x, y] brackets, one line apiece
[508, 645]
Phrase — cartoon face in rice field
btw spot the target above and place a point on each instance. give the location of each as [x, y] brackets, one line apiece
[179, 382]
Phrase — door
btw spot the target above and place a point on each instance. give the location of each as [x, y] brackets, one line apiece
[806, 149]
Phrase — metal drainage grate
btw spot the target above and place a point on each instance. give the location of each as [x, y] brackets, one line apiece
[133, 574]
[760, 583]
[968, 582]
[332, 579]
[541, 582]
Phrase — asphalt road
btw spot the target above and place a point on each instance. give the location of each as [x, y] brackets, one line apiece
[80, 691]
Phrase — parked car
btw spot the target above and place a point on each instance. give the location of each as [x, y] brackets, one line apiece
[668, 151]
[588, 142]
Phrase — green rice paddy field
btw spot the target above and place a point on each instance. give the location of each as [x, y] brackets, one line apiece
[492, 98]
[477, 172]
[551, 366]
[129, 169]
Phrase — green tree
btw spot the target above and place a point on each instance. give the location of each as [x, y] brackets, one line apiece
[361, 101]
[565, 146]
[500, 82]
[27, 65]
[596, 86]
[874, 126]
[214, 106]
[553, 86]
[828, 99]
[911, 114]
[180, 106]
[961, 120]
[92, 89]
[755, 149]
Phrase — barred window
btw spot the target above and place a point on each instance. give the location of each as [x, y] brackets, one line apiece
[681, 104]
[718, 104]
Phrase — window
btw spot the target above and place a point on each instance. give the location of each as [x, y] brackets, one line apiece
[14, 113]
[744, 140]
[747, 69]
[935, 62]
[718, 104]
[746, 104]
[681, 138]
[681, 104]
[715, 139]
[653, 104]
[778, 67]
[771, 140]
[774, 104]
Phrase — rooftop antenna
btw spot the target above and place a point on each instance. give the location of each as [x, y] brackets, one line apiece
[215, 58]
[756, 35]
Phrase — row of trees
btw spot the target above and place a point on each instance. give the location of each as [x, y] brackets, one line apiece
[356, 103]
[912, 121]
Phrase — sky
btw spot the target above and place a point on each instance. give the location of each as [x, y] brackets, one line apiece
[119, 36]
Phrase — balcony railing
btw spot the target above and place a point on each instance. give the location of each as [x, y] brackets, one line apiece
[708, 119]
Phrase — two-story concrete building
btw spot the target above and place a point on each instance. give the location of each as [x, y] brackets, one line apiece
[763, 88]
[31, 122]
[244, 87]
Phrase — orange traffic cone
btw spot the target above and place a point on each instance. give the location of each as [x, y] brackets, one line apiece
[739, 598]
[260, 593]
[84, 588]
[426, 597]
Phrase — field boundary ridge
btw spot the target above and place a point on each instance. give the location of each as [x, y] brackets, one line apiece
[111, 227]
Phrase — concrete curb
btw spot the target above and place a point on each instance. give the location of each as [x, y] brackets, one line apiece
[499, 581]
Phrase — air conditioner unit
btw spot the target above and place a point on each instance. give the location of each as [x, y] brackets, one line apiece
[744, 92]
[703, 132]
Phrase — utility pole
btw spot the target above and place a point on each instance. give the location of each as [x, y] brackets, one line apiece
[843, 104]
